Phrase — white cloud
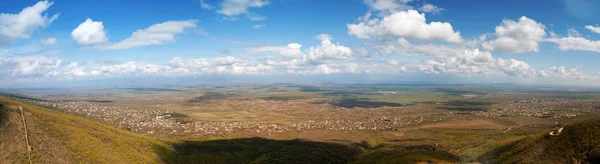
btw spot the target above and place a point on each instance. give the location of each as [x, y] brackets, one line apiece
[323, 37]
[409, 24]
[32, 66]
[89, 33]
[23, 24]
[292, 50]
[324, 69]
[326, 58]
[238, 7]
[389, 5]
[49, 42]
[456, 60]
[329, 51]
[258, 26]
[154, 35]
[255, 17]
[292, 56]
[429, 8]
[92, 33]
[465, 62]
[517, 37]
[576, 43]
[225, 65]
[127, 69]
[567, 73]
[595, 29]
[517, 68]
[206, 6]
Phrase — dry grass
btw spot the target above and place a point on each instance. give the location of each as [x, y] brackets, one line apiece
[63, 138]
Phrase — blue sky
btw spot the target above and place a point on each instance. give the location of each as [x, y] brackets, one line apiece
[533, 41]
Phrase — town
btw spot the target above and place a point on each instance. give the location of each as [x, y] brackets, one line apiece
[154, 121]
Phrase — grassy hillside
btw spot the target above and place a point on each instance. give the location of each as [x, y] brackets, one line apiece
[61, 138]
[578, 143]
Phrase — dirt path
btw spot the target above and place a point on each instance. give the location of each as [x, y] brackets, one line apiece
[26, 134]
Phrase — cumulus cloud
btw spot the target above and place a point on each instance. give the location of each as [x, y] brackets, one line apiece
[224, 65]
[328, 50]
[429, 8]
[567, 73]
[517, 37]
[92, 34]
[595, 29]
[31, 66]
[408, 24]
[517, 68]
[471, 61]
[23, 24]
[576, 43]
[292, 56]
[443, 59]
[126, 69]
[258, 26]
[49, 42]
[89, 32]
[465, 62]
[325, 58]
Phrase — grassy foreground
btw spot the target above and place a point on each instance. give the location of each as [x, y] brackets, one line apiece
[56, 136]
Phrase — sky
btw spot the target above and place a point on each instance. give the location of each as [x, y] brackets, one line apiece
[470, 41]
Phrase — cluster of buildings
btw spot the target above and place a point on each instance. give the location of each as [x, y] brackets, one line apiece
[545, 108]
[159, 122]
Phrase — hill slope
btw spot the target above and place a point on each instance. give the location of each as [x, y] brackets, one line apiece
[578, 143]
[61, 138]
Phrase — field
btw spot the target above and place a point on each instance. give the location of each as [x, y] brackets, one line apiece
[435, 123]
